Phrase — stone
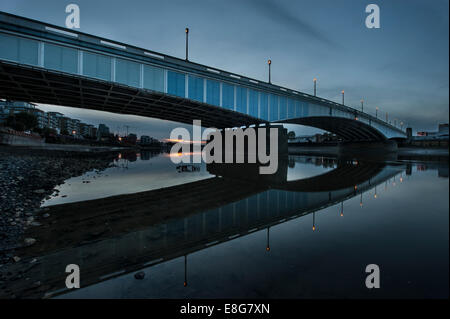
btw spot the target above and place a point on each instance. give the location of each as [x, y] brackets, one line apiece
[139, 275]
[29, 241]
[16, 259]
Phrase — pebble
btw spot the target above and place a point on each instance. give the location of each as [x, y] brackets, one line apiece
[139, 275]
[29, 241]
[26, 179]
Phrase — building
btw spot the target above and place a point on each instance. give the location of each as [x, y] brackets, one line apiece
[147, 140]
[87, 130]
[69, 125]
[41, 117]
[8, 108]
[131, 138]
[442, 133]
[102, 131]
[53, 120]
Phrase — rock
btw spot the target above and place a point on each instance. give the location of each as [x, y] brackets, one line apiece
[39, 191]
[139, 275]
[29, 241]
[46, 215]
[16, 259]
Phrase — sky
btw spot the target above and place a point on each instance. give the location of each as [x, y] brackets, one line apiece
[402, 67]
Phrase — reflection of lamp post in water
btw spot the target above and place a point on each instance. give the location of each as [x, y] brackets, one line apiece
[314, 221]
[185, 271]
[268, 244]
[375, 195]
[342, 209]
[361, 201]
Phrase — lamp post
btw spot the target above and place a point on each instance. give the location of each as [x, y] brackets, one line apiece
[376, 112]
[362, 105]
[342, 97]
[386, 116]
[315, 82]
[187, 42]
[269, 62]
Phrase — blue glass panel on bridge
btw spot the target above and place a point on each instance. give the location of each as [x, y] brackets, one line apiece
[291, 108]
[212, 220]
[283, 107]
[212, 92]
[298, 108]
[175, 83]
[153, 78]
[264, 106]
[19, 50]
[227, 216]
[305, 109]
[194, 224]
[175, 228]
[228, 96]
[273, 202]
[97, 66]
[282, 202]
[195, 91]
[262, 202]
[253, 103]
[241, 212]
[241, 99]
[273, 107]
[60, 58]
[253, 208]
[127, 72]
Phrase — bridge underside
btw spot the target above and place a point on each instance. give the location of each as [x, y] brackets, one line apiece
[347, 129]
[24, 83]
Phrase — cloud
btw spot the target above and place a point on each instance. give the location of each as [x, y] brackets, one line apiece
[282, 16]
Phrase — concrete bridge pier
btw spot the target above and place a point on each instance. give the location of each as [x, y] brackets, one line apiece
[246, 149]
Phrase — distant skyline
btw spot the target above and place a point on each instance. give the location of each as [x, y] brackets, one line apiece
[402, 67]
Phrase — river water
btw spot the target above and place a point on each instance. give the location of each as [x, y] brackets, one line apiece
[309, 231]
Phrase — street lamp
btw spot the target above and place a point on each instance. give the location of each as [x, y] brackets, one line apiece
[269, 62]
[315, 82]
[362, 105]
[376, 112]
[342, 97]
[187, 41]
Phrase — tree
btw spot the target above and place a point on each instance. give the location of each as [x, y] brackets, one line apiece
[22, 121]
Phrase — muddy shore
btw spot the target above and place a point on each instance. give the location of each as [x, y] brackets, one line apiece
[29, 176]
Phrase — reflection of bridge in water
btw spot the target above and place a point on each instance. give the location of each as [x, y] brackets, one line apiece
[116, 235]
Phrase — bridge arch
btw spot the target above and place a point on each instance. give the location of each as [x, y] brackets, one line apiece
[347, 129]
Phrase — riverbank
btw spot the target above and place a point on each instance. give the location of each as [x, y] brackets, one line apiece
[27, 177]
[403, 152]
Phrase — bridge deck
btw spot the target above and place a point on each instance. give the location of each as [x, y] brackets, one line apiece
[44, 63]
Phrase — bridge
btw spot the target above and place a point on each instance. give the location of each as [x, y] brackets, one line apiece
[116, 235]
[44, 63]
